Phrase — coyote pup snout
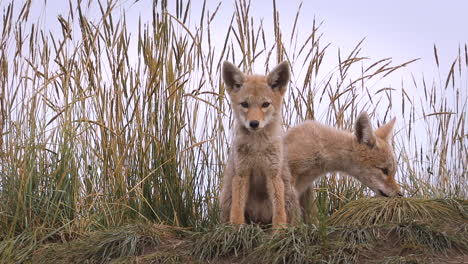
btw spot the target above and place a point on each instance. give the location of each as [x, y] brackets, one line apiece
[257, 183]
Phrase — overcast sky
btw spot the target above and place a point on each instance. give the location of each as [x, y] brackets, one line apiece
[399, 29]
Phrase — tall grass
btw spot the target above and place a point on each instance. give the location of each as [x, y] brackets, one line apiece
[101, 126]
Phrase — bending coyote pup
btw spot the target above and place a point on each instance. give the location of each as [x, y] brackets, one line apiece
[257, 184]
[314, 149]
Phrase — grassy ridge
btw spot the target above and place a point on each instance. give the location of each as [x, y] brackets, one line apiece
[385, 240]
[101, 126]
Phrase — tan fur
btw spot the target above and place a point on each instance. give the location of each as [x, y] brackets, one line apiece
[257, 184]
[314, 149]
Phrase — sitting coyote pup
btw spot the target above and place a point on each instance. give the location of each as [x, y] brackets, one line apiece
[314, 149]
[257, 184]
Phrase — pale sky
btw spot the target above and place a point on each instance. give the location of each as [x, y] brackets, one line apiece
[399, 29]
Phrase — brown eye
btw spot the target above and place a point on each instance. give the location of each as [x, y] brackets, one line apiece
[244, 104]
[265, 105]
[385, 171]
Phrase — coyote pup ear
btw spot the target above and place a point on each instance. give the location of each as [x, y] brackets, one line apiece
[278, 78]
[385, 131]
[232, 76]
[363, 130]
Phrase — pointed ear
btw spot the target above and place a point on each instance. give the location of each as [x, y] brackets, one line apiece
[385, 131]
[232, 76]
[278, 78]
[363, 130]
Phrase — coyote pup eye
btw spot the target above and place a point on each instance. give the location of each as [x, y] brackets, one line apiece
[265, 105]
[385, 171]
[244, 104]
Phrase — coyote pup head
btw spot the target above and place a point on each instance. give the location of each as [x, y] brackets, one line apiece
[256, 100]
[376, 166]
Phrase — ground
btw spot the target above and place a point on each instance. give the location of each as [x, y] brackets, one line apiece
[373, 230]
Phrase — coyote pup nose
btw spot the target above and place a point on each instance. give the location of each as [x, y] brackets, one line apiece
[254, 124]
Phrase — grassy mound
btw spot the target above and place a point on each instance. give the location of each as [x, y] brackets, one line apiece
[406, 228]
[380, 211]
[297, 244]
[105, 246]
[374, 230]
[225, 241]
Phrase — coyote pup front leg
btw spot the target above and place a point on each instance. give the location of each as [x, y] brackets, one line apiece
[240, 185]
[225, 199]
[276, 186]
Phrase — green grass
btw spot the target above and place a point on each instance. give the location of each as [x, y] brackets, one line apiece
[102, 127]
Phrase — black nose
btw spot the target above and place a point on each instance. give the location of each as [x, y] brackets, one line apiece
[254, 124]
[400, 194]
